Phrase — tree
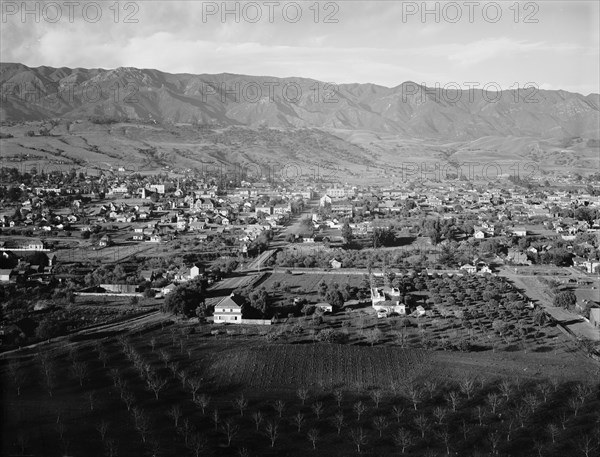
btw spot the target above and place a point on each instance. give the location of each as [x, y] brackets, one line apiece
[359, 408]
[272, 432]
[335, 298]
[156, 384]
[241, 403]
[259, 299]
[302, 393]
[403, 439]
[467, 386]
[422, 424]
[174, 412]
[317, 408]
[338, 421]
[380, 423]
[338, 394]
[374, 336]
[184, 299]
[376, 395]
[347, 233]
[257, 417]
[298, 419]
[279, 406]
[565, 299]
[198, 444]
[313, 436]
[231, 430]
[359, 437]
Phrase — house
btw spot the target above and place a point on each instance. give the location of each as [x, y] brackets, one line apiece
[325, 307]
[479, 235]
[105, 241]
[335, 264]
[519, 231]
[469, 268]
[168, 289]
[229, 310]
[595, 317]
[5, 275]
[387, 300]
[196, 271]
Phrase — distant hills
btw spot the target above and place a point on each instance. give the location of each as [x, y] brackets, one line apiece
[405, 111]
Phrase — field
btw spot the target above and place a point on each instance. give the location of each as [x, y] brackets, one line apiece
[137, 395]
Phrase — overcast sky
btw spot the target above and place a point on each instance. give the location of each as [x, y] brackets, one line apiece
[552, 43]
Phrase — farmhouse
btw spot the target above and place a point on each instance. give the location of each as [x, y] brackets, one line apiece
[387, 300]
[229, 310]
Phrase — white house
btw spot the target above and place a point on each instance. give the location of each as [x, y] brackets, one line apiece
[229, 310]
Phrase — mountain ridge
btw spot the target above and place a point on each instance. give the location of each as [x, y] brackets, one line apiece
[408, 110]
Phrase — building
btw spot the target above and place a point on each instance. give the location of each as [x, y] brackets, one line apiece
[229, 310]
[387, 300]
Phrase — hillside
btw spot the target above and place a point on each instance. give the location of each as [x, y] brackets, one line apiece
[407, 110]
[149, 120]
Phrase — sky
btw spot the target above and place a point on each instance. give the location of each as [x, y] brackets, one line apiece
[504, 44]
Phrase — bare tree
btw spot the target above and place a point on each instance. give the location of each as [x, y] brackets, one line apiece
[587, 445]
[574, 404]
[376, 395]
[338, 394]
[231, 430]
[298, 419]
[153, 343]
[186, 429]
[582, 391]
[452, 398]
[165, 357]
[415, 395]
[313, 436]
[175, 413]
[563, 418]
[128, 398]
[493, 400]
[439, 412]
[198, 444]
[431, 387]
[156, 384]
[494, 439]
[532, 402]
[174, 367]
[539, 446]
[91, 397]
[480, 413]
[380, 423]
[102, 428]
[116, 377]
[467, 386]
[241, 403]
[398, 412]
[195, 385]
[359, 437]
[110, 447]
[403, 439]
[544, 389]
[142, 423]
[257, 417]
[506, 389]
[422, 424]
[317, 408]
[272, 431]
[302, 393]
[444, 436]
[359, 408]
[279, 406]
[553, 431]
[216, 418]
[338, 421]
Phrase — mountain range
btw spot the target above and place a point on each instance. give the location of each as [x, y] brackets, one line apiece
[408, 110]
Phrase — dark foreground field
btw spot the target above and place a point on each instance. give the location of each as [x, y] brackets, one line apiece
[171, 392]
